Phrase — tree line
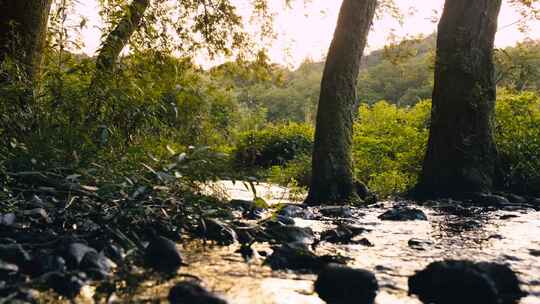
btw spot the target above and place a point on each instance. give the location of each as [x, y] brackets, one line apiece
[461, 155]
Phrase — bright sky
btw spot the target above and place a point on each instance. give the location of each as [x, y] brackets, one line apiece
[306, 30]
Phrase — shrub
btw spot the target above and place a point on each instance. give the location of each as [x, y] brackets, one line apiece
[517, 134]
[273, 145]
[389, 144]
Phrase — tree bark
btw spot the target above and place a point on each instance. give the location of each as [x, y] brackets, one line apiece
[23, 32]
[461, 155]
[119, 37]
[332, 168]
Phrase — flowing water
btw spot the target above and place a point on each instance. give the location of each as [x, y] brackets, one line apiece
[514, 239]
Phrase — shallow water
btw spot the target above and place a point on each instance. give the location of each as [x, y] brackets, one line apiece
[485, 237]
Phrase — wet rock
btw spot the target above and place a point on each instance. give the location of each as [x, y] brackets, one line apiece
[284, 220]
[403, 214]
[294, 256]
[97, 265]
[289, 233]
[7, 270]
[362, 190]
[75, 253]
[342, 234]
[336, 211]
[38, 214]
[296, 211]
[506, 281]
[242, 204]
[365, 242]
[245, 234]
[43, 263]
[515, 199]
[485, 199]
[534, 252]
[508, 216]
[162, 255]
[17, 295]
[465, 282]
[419, 244]
[115, 252]
[189, 292]
[218, 231]
[7, 219]
[67, 285]
[16, 254]
[247, 252]
[337, 284]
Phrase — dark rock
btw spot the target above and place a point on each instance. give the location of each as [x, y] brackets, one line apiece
[115, 252]
[67, 285]
[338, 284]
[342, 234]
[245, 234]
[296, 211]
[253, 214]
[75, 253]
[403, 214]
[7, 219]
[189, 292]
[162, 255]
[515, 199]
[284, 220]
[336, 211]
[96, 265]
[534, 252]
[247, 252]
[44, 262]
[38, 214]
[506, 281]
[419, 244]
[16, 254]
[294, 256]
[485, 199]
[7, 270]
[465, 282]
[365, 242]
[244, 205]
[508, 216]
[288, 233]
[362, 190]
[17, 295]
[218, 231]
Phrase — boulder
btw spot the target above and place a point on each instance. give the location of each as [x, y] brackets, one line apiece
[162, 255]
[337, 284]
[189, 292]
[465, 282]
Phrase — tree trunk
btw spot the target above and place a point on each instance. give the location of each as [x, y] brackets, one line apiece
[332, 168]
[119, 37]
[461, 155]
[23, 32]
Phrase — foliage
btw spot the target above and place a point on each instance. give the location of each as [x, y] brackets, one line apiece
[389, 144]
[273, 145]
[517, 131]
[518, 67]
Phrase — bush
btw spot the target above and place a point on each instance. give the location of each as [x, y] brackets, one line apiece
[273, 145]
[517, 134]
[389, 145]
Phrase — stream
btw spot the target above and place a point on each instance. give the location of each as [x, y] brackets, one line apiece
[504, 236]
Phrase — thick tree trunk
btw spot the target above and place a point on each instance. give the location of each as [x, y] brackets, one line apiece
[119, 37]
[332, 169]
[461, 155]
[23, 32]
